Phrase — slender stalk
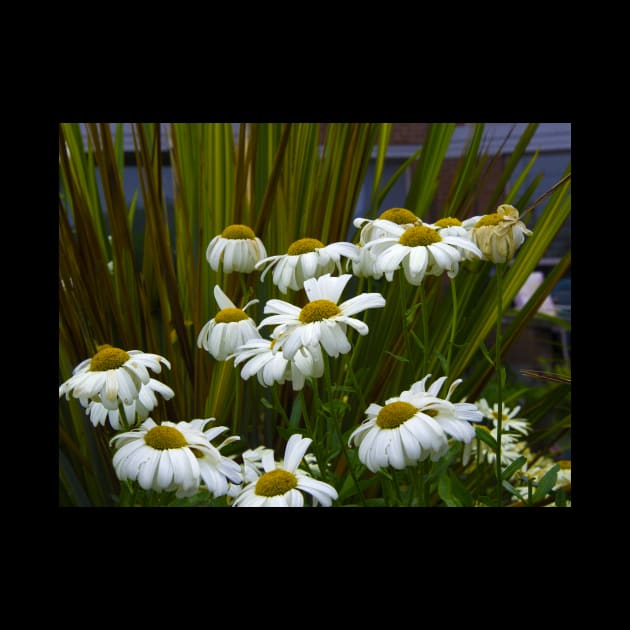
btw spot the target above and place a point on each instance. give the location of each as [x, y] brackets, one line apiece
[451, 341]
[396, 484]
[402, 293]
[425, 329]
[278, 405]
[337, 427]
[500, 268]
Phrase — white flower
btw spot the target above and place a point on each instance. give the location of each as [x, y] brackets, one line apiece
[499, 235]
[365, 265]
[450, 226]
[228, 329]
[171, 456]
[372, 229]
[509, 420]
[237, 247]
[112, 376]
[420, 250]
[306, 258]
[412, 427]
[267, 362]
[282, 483]
[138, 410]
[321, 320]
[251, 469]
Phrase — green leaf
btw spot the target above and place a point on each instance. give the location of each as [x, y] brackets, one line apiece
[546, 483]
[486, 354]
[446, 493]
[484, 436]
[398, 357]
[513, 467]
[520, 496]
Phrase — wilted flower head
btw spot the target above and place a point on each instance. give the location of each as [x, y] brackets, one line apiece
[499, 235]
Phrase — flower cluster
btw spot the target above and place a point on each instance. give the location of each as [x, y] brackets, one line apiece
[179, 457]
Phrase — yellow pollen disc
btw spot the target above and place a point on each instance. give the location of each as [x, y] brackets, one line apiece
[304, 246]
[161, 438]
[108, 358]
[236, 232]
[565, 464]
[394, 414]
[317, 310]
[420, 236]
[227, 315]
[448, 222]
[430, 412]
[275, 482]
[495, 415]
[197, 453]
[399, 216]
[489, 219]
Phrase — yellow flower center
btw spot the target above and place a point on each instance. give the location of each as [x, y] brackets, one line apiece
[399, 216]
[419, 236]
[430, 412]
[238, 231]
[227, 315]
[275, 482]
[163, 437]
[197, 453]
[108, 358]
[448, 222]
[317, 310]
[304, 246]
[394, 414]
[489, 219]
[495, 415]
[565, 464]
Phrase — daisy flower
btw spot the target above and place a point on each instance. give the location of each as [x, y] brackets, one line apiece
[371, 229]
[306, 258]
[228, 329]
[364, 266]
[322, 320]
[169, 456]
[412, 427]
[282, 483]
[139, 409]
[268, 363]
[420, 250]
[251, 469]
[509, 420]
[237, 247]
[112, 376]
[499, 235]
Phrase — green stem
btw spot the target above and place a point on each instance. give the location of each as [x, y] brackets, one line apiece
[498, 368]
[278, 405]
[237, 403]
[337, 427]
[396, 484]
[414, 471]
[426, 486]
[402, 294]
[451, 341]
[425, 330]
[321, 462]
